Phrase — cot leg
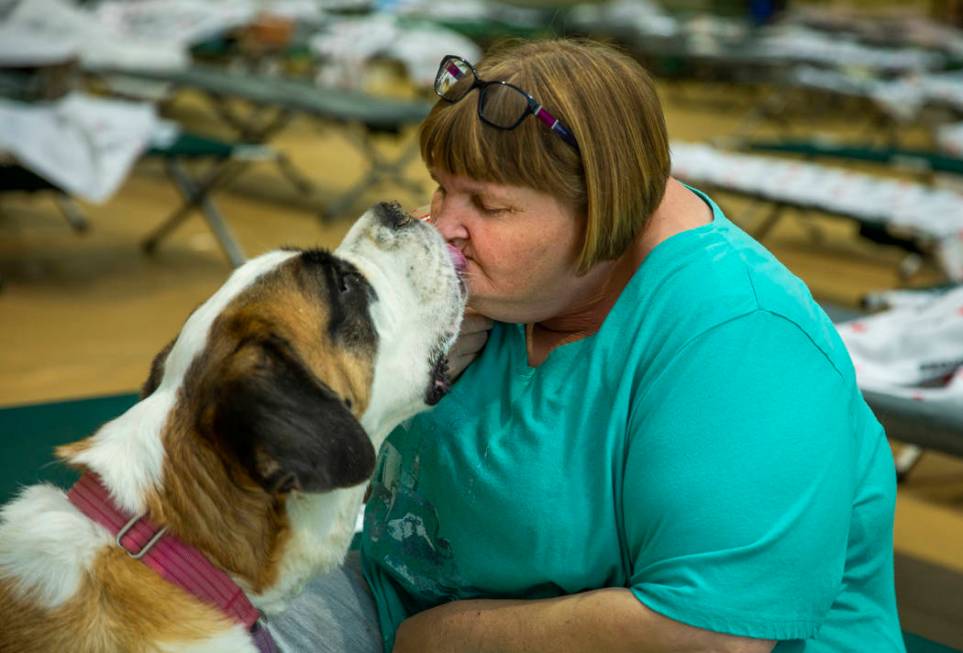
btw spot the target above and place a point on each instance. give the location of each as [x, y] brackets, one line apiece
[255, 128]
[225, 237]
[290, 172]
[68, 207]
[196, 196]
[381, 170]
[906, 460]
[348, 198]
[771, 109]
[814, 231]
[398, 171]
[775, 214]
[909, 266]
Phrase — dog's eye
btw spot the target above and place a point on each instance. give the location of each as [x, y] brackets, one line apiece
[348, 281]
[348, 403]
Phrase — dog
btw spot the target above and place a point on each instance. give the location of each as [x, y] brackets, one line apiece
[250, 448]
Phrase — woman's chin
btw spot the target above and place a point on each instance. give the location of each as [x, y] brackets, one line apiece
[497, 309]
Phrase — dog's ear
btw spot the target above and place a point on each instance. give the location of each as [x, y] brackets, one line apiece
[287, 428]
[156, 371]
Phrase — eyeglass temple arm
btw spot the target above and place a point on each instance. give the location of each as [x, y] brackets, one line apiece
[555, 125]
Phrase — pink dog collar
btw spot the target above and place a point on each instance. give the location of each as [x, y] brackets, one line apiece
[175, 561]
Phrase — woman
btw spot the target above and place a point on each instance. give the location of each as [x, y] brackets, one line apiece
[661, 447]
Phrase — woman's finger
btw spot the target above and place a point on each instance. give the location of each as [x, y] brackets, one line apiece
[470, 343]
[475, 322]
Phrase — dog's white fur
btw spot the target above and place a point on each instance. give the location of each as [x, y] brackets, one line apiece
[47, 545]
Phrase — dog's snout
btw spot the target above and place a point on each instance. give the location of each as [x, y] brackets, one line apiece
[391, 214]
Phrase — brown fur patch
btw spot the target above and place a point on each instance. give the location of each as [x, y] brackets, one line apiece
[122, 606]
[67, 451]
[211, 505]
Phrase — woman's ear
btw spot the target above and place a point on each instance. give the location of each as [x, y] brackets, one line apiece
[285, 426]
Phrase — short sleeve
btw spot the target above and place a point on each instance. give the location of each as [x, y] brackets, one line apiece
[739, 480]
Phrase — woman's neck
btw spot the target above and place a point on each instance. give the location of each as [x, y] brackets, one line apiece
[597, 293]
[585, 315]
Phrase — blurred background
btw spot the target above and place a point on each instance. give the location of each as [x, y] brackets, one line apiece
[147, 146]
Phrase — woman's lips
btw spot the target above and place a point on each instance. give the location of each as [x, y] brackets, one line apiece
[457, 258]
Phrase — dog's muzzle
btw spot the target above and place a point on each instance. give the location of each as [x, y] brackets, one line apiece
[390, 214]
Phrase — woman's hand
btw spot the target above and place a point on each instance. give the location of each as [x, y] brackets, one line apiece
[471, 341]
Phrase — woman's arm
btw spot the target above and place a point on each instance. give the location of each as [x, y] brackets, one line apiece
[610, 620]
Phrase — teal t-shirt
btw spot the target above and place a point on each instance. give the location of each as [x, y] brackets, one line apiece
[707, 448]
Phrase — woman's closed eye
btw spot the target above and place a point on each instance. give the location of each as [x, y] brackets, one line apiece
[487, 208]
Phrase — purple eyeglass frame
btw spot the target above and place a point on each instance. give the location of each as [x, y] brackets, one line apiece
[534, 108]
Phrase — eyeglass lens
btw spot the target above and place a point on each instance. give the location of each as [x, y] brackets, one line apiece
[500, 105]
[455, 79]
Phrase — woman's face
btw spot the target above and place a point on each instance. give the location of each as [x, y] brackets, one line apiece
[521, 245]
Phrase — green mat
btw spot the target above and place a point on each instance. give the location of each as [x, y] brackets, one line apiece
[29, 433]
[915, 158]
[190, 146]
[915, 644]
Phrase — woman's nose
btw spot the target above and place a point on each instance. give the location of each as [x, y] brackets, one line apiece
[449, 223]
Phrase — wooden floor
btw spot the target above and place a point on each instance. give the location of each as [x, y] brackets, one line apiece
[82, 315]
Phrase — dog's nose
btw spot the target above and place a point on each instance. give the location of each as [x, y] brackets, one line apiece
[391, 215]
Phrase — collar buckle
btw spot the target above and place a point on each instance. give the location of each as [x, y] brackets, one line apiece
[137, 555]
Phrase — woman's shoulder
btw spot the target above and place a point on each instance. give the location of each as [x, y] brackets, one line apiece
[698, 276]
[712, 276]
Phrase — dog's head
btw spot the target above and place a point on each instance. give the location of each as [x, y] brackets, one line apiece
[287, 379]
[316, 347]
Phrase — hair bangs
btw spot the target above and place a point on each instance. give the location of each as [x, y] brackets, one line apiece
[455, 139]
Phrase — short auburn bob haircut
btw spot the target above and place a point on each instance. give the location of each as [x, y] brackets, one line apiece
[615, 180]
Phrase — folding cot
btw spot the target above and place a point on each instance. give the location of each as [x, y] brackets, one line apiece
[280, 99]
[925, 161]
[14, 178]
[226, 161]
[913, 215]
[82, 145]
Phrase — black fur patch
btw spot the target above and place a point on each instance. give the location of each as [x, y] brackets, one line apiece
[391, 214]
[286, 428]
[440, 382]
[156, 371]
[349, 296]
